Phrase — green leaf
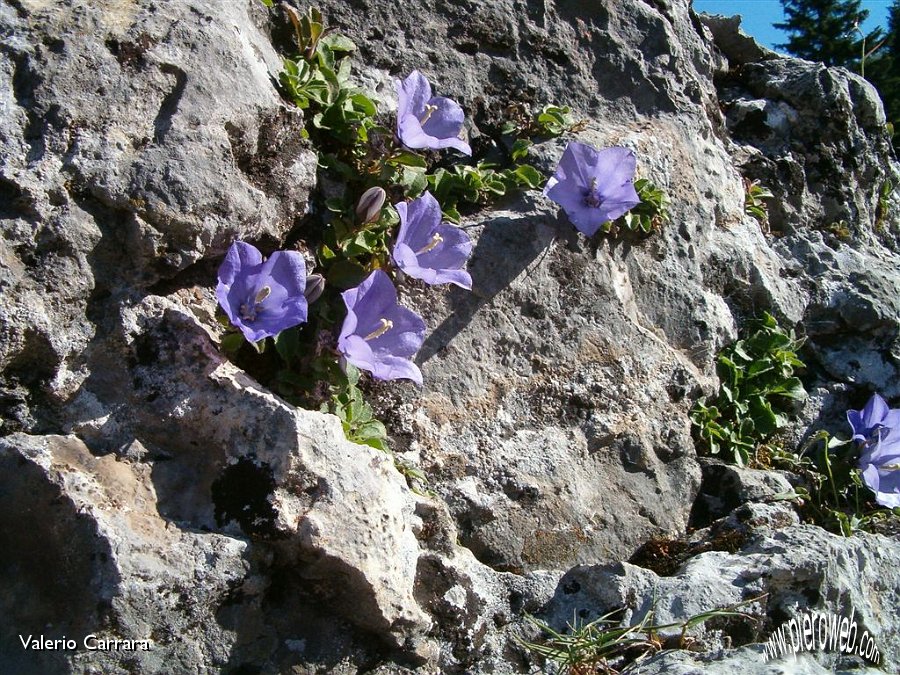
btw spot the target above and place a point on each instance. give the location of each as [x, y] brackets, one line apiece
[369, 430]
[728, 370]
[738, 348]
[338, 43]
[357, 246]
[287, 344]
[494, 184]
[377, 443]
[520, 149]
[231, 342]
[344, 274]
[352, 374]
[363, 104]
[413, 181]
[528, 176]
[759, 368]
[407, 158]
[792, 388]
[765, 422]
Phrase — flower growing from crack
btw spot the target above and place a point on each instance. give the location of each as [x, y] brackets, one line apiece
[378, 334]
[593, 186]
[877, 428]
[871, 418]
[426, 121]
[262, 297]
[428, 249]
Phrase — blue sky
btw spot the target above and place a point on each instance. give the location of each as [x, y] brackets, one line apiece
[759, 15]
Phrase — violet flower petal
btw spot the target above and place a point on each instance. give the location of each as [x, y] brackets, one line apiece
[886, 449]
[885, 484]
[378, 334]
[413, 93]
[593, 186]
[880, 462]
[874, 415]
[240, 255]
[262, 298]
[424, 121]
[428, 249]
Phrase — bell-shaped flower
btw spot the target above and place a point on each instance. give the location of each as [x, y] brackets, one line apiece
[426, 121]
[872, 417]
[428, 249]
[880, 464]
[593, 186]
[262, 297]
[378, 334]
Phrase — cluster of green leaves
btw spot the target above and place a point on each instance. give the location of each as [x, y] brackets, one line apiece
[884, 203]
[479, 184]
[318, 79]
[349, 249]
[548, 122]
[754, 194]
[359, 150]
[357, 417]
[590, 647]
[839, 229]
[757, 390]
[647, 216]
[832, 493]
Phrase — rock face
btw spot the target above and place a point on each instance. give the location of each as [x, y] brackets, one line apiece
[154, 491]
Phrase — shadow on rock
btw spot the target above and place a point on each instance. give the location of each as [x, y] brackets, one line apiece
[505, 248]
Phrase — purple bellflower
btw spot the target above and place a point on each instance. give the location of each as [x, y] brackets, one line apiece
[428, 249]
[378, 334]
[877, 428]
[262, 298]
[593, 186]
[880, 464]
[426, 121]
[872, 417]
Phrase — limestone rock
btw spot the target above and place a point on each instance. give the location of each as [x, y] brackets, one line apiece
[87, 552]
[787, 571]
[136, 140]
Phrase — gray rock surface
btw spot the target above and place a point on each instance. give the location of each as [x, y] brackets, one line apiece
[136, 139]
[168, 495]
[749, 660]
[792, 569]
[115, 566]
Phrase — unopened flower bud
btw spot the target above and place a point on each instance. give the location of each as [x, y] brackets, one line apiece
[315, 284]
[368, 208]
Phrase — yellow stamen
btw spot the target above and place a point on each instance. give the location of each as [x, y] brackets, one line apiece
[264, 293]
[428, 110]
[386, 325]
[435, 240]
